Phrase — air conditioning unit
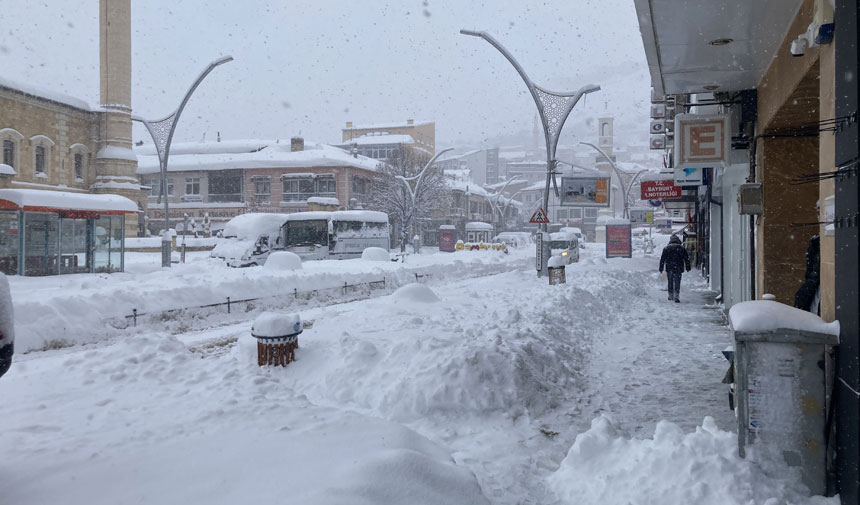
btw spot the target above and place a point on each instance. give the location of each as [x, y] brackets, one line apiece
[658, 142]
[658, 111]
[658, 126]
[750, 199]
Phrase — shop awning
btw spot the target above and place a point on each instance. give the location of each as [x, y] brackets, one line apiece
[726, 46]
[37, 200]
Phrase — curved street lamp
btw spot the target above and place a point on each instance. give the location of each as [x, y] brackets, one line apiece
[553, 107]
[162, 131]
[618, 174]
[414, 192]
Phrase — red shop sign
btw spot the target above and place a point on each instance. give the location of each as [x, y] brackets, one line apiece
[660, 190]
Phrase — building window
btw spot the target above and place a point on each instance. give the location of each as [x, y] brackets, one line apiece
[562, 214]
[9, 153]
[262, 190]
[576, 213]
[40, 160]
[192, 185]
[326, 186]
[155, 187]
[298, 190]
[79, 166]
[591, 212]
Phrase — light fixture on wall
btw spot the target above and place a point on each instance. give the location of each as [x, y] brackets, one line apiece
[720, 42]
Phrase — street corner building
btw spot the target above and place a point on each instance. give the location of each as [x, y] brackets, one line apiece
[760, 131]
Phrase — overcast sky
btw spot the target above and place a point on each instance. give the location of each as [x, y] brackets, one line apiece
[310, 66]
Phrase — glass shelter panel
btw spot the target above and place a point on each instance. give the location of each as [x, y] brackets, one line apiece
[41, 243]
[9, 242]
[108, 245]
[74, 246]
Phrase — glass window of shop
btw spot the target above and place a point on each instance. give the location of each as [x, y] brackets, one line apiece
[41, 243]
[74, 246]
[108, 236]
[9, 241]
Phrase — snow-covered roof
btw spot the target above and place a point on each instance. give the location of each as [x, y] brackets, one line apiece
[370, 216]
[224, 146]
[39, 92]
[479, 225]
[272, 156]
[42, 200]
[387, 125]
[370, 140]
[473, 188]
[253, 224]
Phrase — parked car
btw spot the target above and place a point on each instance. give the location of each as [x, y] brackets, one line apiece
[566, 245]
[514, 238]
[7, 326]
[575, 231]
[248, 239]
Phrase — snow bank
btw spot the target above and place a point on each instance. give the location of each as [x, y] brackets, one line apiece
[672, 468]
[283, 260]
[765, 315]
[556, 262]
[375, 254]
[415, 293]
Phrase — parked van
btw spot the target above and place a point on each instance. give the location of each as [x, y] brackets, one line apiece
[248, 239]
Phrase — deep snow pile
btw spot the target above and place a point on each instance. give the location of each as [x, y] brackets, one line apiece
[158, 425]
[283, 260]
[65, 310]
[673, 467]
[375, 254]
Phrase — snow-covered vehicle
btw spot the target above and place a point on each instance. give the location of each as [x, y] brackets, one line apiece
[575, 231]
[514, 238]
[249, 238]
[566, 245]
[336, 235]
[7, 327]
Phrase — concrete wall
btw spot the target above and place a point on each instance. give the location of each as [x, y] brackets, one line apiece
[826, 158]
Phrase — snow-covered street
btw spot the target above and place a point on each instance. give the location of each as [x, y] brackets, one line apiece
[490, 389]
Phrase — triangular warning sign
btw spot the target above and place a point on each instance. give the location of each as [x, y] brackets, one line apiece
[539, 217]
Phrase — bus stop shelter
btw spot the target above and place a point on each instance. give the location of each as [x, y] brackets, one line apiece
[56, 232]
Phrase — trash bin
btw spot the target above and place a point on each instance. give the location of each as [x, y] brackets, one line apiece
[780, 384]
[277, 336]
[555, 268]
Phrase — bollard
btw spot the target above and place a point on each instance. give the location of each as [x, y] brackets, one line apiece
[555, 270]
[277, 336]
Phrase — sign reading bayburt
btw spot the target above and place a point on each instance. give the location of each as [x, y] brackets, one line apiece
[619, 243]
[585, 190]
[700, 142]
[660, 190]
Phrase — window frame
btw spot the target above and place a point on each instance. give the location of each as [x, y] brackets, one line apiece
[15, 137]
[46, 145]
[192, 183]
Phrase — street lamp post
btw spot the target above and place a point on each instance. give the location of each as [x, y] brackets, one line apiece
[494, 203]
[553, 109]
[413, 192]
[162, 131]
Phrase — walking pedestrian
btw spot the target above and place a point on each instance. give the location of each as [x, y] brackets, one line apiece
[675, 259]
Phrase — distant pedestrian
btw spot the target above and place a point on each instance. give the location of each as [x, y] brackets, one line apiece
[675, 259]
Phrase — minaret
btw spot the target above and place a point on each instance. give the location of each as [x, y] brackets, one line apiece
[116, 164]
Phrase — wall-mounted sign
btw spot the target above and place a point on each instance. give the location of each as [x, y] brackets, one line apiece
[660, 190]
[702, 141]
[619, 242]
[586, 191]
[689, 176]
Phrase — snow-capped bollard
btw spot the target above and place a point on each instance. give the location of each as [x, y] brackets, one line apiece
[555, 268]
[277, 337]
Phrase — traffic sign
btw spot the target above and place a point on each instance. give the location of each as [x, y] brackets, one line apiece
[539, 217]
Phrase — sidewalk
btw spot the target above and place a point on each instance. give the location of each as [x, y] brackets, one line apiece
[664, 362]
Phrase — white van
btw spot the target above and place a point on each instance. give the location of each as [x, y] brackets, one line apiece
[248, 239]
[566, 245]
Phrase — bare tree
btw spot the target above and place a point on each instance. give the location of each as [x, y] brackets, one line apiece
[403, 191]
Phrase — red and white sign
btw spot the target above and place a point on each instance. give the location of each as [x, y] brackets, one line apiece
[660, 190]
[702, 141]
[539, 217]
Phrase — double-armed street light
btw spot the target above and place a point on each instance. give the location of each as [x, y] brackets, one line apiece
[162, 131]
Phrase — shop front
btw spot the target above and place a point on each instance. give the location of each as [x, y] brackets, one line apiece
[55, 232]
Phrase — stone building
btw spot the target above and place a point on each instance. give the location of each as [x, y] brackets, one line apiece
[373, 140]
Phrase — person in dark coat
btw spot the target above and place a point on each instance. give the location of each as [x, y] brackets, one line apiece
[804, 298]
[675, 259]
